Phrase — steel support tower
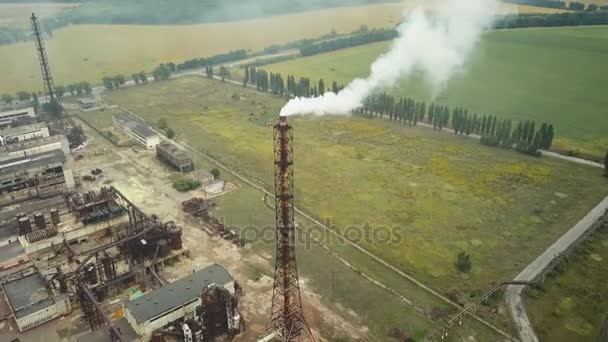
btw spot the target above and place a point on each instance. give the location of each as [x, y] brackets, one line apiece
[287, 320]
[47, 77]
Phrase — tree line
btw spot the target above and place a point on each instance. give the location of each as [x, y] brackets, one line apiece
[276, 84]
[164, 70]
[553, 20]
[74, 89]
[594, 15]
[573, 5]
[374, 35]
[493, 131]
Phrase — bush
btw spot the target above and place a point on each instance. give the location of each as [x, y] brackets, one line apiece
[490, 140]
[216, 173]
[170, 133]
[184, 184]
[464, 262]
[525, 148]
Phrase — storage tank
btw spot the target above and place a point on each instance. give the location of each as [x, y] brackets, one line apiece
[163, 248]
[175, 236]
[55, 216]
[24, 225]
[39, 220]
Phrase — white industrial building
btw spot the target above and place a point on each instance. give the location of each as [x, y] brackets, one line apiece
[7, 117]
[136, 129]
[175, 301]
[32, 303]
[22, 133]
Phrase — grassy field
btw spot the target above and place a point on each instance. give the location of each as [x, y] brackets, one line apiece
[89, 52]
[556, 75]
[571, 305]
[437, 193]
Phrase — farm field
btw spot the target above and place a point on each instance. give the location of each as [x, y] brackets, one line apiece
[555, 75]
[90, 52]
[571, 305]
[436, 193]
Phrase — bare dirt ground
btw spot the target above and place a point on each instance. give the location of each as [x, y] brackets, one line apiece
[144, 180]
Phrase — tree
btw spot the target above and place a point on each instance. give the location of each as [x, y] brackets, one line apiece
[170, 133]
[216, 173]
[224, 73]
[162, 72]
[209, 71]
[135, 78]
[548, 138]
[162, 123]
[23, 95]
[86, 87]
[121, 80]
[143, 77]
[108, 83]
[464, 262]
[334, 87]
[7, 98]
[321, 87]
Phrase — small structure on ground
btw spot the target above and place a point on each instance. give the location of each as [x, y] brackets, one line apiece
[86, 103]
[213, 187]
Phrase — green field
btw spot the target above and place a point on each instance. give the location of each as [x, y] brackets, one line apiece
[445, 194]
[90, 52]
[556, 75]
[571, 305]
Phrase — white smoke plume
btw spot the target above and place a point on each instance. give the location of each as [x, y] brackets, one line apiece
[437, 45]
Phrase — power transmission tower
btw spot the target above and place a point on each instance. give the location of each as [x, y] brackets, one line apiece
[47, 77]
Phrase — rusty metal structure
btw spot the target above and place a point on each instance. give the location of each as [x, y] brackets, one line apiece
[47, 77]
[287, 321]
[92, 207]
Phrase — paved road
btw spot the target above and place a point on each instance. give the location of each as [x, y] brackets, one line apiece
[513, 295]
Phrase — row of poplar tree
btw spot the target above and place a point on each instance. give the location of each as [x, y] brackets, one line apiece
[276, 84]
[526, 137]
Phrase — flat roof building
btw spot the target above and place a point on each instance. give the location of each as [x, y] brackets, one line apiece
[21, 133]
[136, 129]
[167, 304]
[174, 157]
[32, 303]
[8, 116]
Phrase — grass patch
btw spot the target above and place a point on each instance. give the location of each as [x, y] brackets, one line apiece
[549, 74]
[185, 184]
[570, 305]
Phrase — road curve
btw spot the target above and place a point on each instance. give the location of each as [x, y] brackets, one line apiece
[513, 293]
